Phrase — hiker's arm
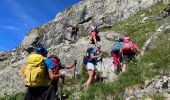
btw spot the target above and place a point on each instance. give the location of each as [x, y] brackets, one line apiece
[97, 56]
[69, 66]
[53, 76]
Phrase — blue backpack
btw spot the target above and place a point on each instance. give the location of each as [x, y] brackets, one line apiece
[116, 47]
[87, 58]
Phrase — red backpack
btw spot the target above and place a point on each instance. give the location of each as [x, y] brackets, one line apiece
[127, 45]
[56, 63]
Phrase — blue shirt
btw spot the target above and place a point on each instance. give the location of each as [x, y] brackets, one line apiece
[49, 64]
[93, 60]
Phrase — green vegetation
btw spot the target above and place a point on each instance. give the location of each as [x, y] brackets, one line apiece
[155, 96]
[156, 58]
[13, 96]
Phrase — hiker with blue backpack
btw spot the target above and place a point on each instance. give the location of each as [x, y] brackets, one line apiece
[115, 53]
[90, 60]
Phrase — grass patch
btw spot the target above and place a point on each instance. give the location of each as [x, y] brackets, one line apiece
[153, 96]
[13, 96]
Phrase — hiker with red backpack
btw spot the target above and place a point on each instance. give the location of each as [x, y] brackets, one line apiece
[54, 66]
[129, 50]
[90, 60]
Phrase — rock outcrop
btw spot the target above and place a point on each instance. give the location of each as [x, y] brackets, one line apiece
[157, 85]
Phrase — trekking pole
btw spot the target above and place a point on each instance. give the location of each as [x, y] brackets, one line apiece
[62, 84]
[74, 74]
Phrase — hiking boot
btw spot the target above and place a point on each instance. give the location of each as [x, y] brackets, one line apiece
[116, 71]
[82, 86]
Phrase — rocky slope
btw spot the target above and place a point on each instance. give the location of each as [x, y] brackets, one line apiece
[53, 36]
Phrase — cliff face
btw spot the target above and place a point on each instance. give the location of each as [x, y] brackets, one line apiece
[101, 12]
[53, 35]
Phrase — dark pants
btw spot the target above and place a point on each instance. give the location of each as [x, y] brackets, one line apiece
[73, 34]
[35, 93]
[51, 92]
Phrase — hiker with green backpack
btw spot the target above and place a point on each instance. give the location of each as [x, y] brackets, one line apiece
[90, 60]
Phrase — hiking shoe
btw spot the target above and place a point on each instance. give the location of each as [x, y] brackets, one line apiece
[82, 86]
[116, 71]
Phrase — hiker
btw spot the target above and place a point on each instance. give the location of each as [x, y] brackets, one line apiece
[54, 65]
[90, 61]
[46, 87]
[74, 30]
[34, 73]
[94, 34]
[129, 51]
[115, 53]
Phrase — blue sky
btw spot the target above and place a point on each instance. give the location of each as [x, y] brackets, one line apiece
[17, 17]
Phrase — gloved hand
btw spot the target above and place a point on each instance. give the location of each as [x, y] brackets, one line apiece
[63, 74]
[75, 62]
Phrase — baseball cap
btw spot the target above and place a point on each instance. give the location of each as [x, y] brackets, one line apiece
[41, 50]
[98, 45]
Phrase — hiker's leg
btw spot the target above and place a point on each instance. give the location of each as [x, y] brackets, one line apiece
[115, 59]
[71, 36]
[89, 39]
[90, 78]
[90, 70]
[94, 76]
[28, 95]
[50, 94]
[95, 41]
[124, 61]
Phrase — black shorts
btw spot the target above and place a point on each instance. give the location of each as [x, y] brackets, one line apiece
[73, 33]
[51, 92]
[128, 56]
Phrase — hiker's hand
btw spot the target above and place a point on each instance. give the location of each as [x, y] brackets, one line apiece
[63, 74]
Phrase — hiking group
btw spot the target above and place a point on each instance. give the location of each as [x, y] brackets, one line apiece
[42, 73]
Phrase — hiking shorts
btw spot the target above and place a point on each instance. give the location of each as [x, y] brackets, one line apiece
[90, 66]
[93, 34]
[128, 56]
